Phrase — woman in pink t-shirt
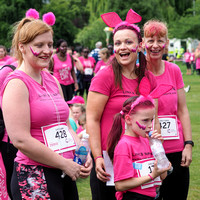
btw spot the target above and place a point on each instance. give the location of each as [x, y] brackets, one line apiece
[36, 119]
[197, 56]
[88, 69]
[63, 70]
[187, 57]
[104, 55]
[109, 89]
[172, 111]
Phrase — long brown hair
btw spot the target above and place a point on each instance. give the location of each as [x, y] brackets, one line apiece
[116, 130]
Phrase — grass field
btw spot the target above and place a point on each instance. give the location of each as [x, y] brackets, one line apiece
[193, 103]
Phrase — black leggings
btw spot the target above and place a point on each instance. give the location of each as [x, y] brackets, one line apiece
[68, 91]
[176, 185]
[37, 182]
[136, 196]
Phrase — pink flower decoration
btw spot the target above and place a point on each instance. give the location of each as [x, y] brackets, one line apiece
[49, 18]
[32, 13]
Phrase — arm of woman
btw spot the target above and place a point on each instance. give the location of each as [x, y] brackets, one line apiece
[17, 120]
[95, 106]
[183, 115]
[79, 65]
[75, 79]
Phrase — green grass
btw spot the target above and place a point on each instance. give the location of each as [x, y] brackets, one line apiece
[193, 103]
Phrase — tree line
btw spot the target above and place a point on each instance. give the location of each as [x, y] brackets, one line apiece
[79, 22]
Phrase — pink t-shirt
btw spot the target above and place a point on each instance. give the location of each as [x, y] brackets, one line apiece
[12, 61]
[100, 65]
[62, 70]
[3, 61]
[88, 67]
[3, 187]
[198, 61]
[168, 103]
[192, 57]
[44, 110]
[128, 151]
[104, 83]
[187, 56]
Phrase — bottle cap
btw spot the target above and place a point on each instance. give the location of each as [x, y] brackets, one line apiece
[150, 133]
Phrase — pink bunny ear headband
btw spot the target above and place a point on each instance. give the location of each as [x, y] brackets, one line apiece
[145, 88]
[48, 18]
[112, 19]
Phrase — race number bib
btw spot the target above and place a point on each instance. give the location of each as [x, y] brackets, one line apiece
[145, 167]
[58, 138]
[88, 71]
[169, 127]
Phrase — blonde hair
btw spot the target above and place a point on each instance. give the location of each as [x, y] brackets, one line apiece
[26, 31]
[155, 27]
[105, 50]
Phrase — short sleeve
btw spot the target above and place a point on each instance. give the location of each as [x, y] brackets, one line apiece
[103, 81]
[179, 78]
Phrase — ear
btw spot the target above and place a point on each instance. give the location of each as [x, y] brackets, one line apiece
[21, 48]
[128, 119]
[140, 47]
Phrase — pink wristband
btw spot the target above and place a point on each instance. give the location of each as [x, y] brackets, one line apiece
[150, 177]
[97, 158]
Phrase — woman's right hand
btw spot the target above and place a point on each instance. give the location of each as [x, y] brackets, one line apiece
[100, 170]
[72, 169]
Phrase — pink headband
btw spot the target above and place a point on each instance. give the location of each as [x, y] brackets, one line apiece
[112, 19]
[145, 88]
[49, 18]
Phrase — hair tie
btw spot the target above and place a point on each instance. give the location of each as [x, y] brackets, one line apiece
[121, 112]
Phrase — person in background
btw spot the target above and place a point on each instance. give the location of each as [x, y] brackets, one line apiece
[111, 52]
[104, 54]
[197, 57]
[109, 89]
[133, 149]
[37, 110]
[95, 52]
[88, 69]
[187, 58]
[62, 66]
[3, 55]
[193, 61]
[172, 110]
[82, 123]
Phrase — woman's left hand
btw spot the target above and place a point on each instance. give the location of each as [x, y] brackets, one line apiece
[86, 169]
[76, 86]
[186, 156]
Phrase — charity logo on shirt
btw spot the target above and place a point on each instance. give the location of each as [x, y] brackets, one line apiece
[65, 72]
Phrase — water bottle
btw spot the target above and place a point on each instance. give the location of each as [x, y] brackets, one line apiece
[82, 150]
[158, 152]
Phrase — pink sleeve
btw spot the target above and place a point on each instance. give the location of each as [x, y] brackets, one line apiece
[98, 65]
[179, 78]
[103, 81]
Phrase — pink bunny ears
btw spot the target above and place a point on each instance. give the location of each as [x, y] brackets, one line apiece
[145, 88]
[48, 18]
[112, 19]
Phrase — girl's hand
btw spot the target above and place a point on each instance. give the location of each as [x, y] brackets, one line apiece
[157, 172]
[156, 135]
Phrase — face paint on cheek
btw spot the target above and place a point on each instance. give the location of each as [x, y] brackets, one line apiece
[134, 50]
[164, 46]
[115, 51]
[146, 46]
[140, 125]
[34, 53]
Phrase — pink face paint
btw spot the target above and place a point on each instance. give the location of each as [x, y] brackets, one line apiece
[134, 50]
[140, 125]
[114, 51]
[146, 46]
[164, 46]
[34, 53]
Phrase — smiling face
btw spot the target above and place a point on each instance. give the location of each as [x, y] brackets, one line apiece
[141, 121]
[38, 52]
[125, 41]
[155, 46]
[2, 53]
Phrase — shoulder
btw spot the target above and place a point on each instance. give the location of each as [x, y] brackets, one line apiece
[172, 67]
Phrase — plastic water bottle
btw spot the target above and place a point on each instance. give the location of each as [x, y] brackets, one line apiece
[82, 150]
[158, 152]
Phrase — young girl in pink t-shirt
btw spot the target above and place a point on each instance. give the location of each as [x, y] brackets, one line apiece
[135, 170]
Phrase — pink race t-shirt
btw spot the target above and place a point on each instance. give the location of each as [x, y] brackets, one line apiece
[62, 70]
[104, 83]
[127, 152]
[3, 61]
[187, 56]
[100, 65]
[47, 107]
[168, 103]
[192, 57]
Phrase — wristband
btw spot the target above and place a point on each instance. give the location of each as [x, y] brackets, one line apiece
[150, 177]
[97, 158]
[189, 142]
